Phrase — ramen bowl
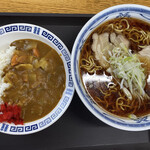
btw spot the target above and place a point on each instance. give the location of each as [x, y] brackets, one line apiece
[127, 10]
[18, 31]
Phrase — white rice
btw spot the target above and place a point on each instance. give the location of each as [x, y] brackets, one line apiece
[5, 58]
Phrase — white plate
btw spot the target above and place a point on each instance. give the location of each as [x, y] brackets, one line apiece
[12, 32]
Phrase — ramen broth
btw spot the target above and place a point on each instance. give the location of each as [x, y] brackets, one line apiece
[105, 87]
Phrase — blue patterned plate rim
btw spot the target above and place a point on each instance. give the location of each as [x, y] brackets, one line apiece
[40, 33]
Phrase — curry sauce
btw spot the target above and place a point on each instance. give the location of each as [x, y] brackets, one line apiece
[37, 78]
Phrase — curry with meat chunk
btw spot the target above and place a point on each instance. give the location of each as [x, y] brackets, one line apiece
[37, 78]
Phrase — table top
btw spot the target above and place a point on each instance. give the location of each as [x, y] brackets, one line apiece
[63, 6]
[77, 117]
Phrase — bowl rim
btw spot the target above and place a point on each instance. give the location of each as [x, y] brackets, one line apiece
[68, 77]
[94, 111]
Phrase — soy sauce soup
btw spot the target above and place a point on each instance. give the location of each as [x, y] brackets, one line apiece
[115, 67]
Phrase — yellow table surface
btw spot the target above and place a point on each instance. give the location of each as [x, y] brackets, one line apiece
[63, 6]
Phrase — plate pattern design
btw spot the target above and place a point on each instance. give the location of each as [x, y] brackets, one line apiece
[68, 93]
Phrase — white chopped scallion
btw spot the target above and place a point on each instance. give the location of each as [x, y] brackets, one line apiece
[128, 71]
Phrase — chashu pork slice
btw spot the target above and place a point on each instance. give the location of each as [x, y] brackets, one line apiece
[117, 39]
[104, 43]
[100, 47]
[144, 57]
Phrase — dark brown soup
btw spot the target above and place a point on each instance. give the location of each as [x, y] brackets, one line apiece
[105, 66]
[37, 78]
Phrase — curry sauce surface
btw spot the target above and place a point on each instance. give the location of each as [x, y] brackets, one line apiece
[37, 78]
